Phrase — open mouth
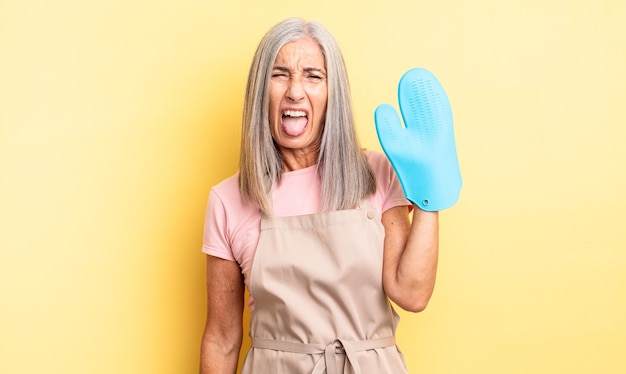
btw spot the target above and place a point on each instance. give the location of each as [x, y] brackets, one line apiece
[294, 122]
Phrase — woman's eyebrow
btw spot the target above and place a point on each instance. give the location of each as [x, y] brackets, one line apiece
[281, 68]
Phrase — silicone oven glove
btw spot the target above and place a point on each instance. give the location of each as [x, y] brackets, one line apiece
[423, 152]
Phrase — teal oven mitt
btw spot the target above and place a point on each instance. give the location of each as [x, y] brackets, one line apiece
[423, 152]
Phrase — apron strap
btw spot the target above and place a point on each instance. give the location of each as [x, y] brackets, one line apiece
[327, 364]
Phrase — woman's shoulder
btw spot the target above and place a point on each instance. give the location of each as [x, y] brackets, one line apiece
[229, 195]
[229, 222]
[388, 189]
[378, 161]
[226, 202]
[228, 188]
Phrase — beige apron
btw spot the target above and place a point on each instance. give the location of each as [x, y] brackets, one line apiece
[319, 300]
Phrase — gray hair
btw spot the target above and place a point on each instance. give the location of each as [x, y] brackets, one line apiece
[345, 173]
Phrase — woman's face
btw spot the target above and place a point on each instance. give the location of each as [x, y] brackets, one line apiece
[298, 97]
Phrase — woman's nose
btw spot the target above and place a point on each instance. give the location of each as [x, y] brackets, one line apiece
[295, 91]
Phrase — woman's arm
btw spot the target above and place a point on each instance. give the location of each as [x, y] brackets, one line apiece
[410, 256]
[222, 336]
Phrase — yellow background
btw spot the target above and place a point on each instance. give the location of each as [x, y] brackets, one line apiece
[116, 118]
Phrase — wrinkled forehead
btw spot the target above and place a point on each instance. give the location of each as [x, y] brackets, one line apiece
[304, 53]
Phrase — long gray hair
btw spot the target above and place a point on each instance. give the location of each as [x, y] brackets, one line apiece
[345, 173]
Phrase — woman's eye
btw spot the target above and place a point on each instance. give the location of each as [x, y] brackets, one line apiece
[314, 78]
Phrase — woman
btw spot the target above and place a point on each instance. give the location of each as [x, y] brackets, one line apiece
[315, 227]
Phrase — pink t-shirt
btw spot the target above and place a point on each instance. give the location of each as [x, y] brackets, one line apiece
[232, 229]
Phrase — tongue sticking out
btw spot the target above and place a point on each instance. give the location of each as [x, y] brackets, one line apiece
[294, 126]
